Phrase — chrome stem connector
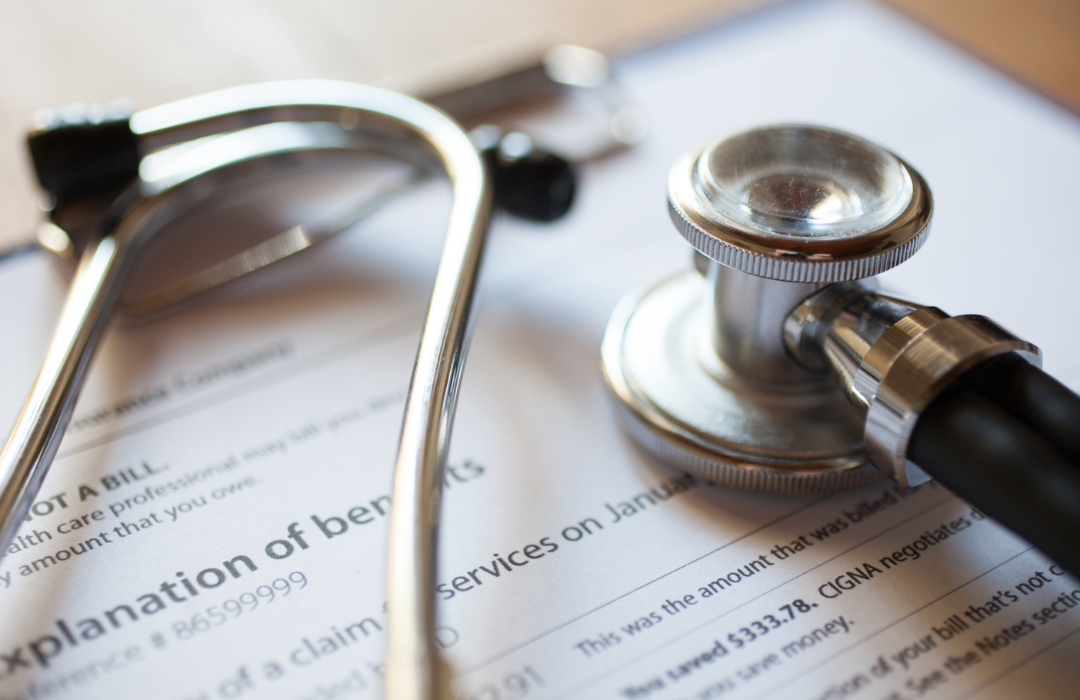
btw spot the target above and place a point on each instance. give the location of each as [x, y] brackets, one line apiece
[892, 358]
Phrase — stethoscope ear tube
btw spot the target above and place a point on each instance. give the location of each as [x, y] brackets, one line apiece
[29, 450]
[1000, 437]
[413, 667]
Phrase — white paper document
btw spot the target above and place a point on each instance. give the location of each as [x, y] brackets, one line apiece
[214, 525]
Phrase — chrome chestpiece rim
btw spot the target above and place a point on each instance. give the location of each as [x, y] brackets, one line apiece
[697, 363]
[799, 204]
[686, 408]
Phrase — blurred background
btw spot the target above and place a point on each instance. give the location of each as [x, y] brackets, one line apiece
[64, 51]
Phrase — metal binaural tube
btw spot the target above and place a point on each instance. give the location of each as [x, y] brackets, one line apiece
[414, 669]
[36, 435]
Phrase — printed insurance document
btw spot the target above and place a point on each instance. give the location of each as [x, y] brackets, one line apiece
[214, 525]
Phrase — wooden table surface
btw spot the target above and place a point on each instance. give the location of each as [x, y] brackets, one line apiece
[62, 51]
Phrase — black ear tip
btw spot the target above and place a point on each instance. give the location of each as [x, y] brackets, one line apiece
[538, 188]
[535, 185]
[78, 152]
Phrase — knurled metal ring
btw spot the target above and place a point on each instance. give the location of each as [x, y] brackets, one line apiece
[794, 258]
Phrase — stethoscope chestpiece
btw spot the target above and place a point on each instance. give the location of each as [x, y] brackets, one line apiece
[698, 363]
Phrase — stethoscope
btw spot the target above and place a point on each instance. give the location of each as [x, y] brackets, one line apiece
[776, 364]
